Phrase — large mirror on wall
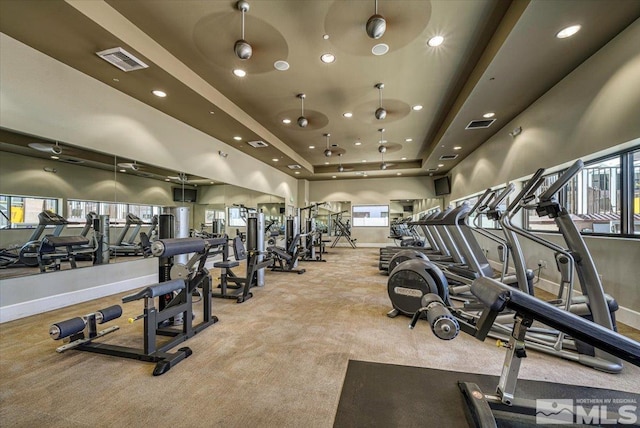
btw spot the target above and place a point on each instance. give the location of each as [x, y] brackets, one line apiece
[53, 193]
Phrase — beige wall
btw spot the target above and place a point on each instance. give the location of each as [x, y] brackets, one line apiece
[594, 108]
[371, 191]
[43, 97]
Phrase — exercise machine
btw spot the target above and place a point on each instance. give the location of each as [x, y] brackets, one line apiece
[411, 280]
[286, 259]
[342, 230]
[27, 254]
[233, 286]
[126, 244]
[488, 410]
[81, 333]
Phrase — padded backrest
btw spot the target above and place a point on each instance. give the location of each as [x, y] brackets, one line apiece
[239, 253]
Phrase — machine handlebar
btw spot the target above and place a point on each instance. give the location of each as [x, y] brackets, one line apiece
[562, 180]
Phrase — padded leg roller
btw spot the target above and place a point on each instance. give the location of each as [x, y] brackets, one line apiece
[66, 328]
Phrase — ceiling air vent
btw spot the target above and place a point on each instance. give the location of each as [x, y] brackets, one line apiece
[448, 157]
[122, 59]
[431, 169]
[69, 160]
[480, 124]
[294, 166]
[257, 144]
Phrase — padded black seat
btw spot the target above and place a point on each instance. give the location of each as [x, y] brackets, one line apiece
[226, 264]
[64, 241]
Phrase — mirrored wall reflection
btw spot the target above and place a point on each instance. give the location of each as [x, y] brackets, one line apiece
[53, 188]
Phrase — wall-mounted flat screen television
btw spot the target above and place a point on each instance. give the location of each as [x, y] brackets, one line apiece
[442, 186]
[190, 195]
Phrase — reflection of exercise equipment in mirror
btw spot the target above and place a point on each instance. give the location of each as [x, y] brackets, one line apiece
[312, 244]
[125, 244]
[233, 286]
[81, 332]
[27, 254]
[342, 229]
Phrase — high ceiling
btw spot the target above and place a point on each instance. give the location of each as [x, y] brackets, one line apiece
[497, 56]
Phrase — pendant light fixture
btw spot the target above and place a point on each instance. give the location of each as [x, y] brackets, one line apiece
[376, 24]
[242, 48]
[381, 131]
[381, 113]
[382, 149]
[327, 151]
[302, 121]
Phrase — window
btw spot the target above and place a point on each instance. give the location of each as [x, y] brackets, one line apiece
[593, 195]
[22, 211]
[544, 224]
[77, 210]
[235, 217]
[603, 198]
[370, 215]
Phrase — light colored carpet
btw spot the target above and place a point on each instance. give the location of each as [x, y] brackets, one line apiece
[277, 360]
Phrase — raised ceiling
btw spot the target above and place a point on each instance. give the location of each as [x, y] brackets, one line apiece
[497, 56]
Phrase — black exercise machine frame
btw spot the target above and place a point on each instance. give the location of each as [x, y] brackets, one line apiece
[497, 297]
[80, 332]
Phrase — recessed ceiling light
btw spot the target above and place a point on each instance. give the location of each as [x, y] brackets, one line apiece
[333, 176]
[347, 114]
[159, 93]
[275, 159]
[408, 140]
[55, 157]
[286, 121]
[440, 165]
[281, 65]
[435, 41]
[326, 163]
[239, 72]
[312, 147]
[237, 138]
[417, 107]
[488, 115]
[457, 148]
[297, 172]
[398, 173]
[115, 79]
[327, 58]
[380, 49]
[364, 160]
[123, 170]
[325, 36]
[358, 143]
[403, 158]
[166, 179]
[568, 31]
[211, 182]
[212, 112]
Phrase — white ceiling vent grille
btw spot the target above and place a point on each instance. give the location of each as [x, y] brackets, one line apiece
[121, 59]
[257, 144]
[431, 169]
[480, 124]
[294, 166]
[448, 157]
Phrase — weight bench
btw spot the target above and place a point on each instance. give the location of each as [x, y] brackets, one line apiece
[496, 298]
[55, 249]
